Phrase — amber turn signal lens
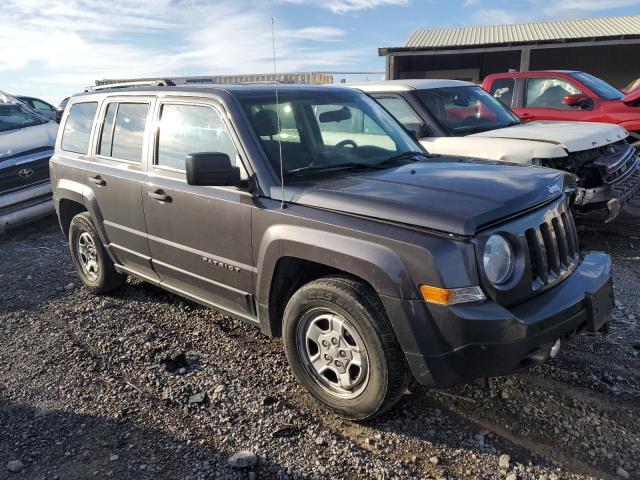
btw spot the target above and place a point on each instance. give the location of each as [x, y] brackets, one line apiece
[451, 296]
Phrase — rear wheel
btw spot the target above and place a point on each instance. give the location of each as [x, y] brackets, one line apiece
[94, 266]
[342, 349]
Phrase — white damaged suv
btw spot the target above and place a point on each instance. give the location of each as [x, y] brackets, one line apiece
[26, 145]
[452, 117]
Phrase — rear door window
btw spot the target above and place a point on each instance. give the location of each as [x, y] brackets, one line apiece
[123, 131]
[502, 89]
[106, 137]
[77, 129]
[548, 93]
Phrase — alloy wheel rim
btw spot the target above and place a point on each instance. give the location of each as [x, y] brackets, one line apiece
[88, 256]
[333, 353]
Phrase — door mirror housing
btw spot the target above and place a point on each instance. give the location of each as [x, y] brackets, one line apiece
[212, 169]
[579, 100]
[417, 130]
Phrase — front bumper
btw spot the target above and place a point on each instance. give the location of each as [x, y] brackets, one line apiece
[620, 187]
[449, 345]
[25, 205]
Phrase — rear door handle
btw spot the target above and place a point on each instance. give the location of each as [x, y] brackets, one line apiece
[160, 195]
[98, 180]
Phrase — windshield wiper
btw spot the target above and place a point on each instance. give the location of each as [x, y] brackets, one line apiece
[330, 166]
[354, 165]
[402, 156]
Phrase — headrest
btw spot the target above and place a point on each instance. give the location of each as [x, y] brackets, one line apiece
[265, 123]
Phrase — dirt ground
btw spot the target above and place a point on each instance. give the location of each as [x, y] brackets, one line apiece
[143, 384]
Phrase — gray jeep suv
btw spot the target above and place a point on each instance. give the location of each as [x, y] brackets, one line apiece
[372, 260]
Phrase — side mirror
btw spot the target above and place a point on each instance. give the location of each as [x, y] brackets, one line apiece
[213, 169]
[579, 100]
[418, 130]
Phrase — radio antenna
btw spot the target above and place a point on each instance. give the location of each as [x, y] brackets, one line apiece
[275, 78]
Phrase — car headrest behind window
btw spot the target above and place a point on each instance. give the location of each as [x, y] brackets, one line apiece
[265, 123]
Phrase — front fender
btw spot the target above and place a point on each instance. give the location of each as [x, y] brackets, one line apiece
[374, 263]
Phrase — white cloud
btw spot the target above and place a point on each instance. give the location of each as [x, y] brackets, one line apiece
[68, 44]
[575, 8]
[541, 10]
[349, 6]
[492, 16]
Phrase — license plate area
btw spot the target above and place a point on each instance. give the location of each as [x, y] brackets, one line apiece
[600, 305]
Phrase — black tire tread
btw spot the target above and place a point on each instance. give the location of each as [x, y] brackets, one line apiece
[398, 373]
[112, 280]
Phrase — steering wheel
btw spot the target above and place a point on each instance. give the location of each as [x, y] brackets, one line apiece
[346, 142]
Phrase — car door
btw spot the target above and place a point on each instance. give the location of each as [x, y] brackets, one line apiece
[543, 100]
[199, 236]
[116, 176]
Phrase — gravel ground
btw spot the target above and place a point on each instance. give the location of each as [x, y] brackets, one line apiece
[142, 384]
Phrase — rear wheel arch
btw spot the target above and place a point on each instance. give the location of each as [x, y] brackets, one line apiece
[67, 209]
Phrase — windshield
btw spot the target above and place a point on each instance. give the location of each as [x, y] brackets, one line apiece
[322, 131]
[14, 116]
[466, 110]
[598, 86]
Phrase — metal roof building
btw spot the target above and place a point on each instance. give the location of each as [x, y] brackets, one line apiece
[606, 47]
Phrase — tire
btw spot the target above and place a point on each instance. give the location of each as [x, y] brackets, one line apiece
[349, 317]
[93, 264]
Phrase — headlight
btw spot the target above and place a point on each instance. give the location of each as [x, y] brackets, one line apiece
[498, 260]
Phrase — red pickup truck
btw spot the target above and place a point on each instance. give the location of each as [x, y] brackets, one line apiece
[566, 95]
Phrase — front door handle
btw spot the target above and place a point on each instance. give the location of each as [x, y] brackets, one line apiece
[98, 180]
[160, 195]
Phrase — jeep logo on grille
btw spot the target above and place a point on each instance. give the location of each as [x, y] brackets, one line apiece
[25, 173]
[554, 188]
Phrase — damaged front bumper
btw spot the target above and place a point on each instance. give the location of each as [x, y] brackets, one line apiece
[621, 183]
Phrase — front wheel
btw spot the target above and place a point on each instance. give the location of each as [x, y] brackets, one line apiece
[342, 349]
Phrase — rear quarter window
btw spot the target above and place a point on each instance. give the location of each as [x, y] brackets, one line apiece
[77, 129]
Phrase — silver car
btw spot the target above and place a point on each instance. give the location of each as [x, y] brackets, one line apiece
[26, 144]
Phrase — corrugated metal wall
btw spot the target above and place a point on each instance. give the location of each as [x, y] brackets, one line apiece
[617, 64]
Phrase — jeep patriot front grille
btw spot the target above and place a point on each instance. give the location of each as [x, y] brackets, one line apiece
[553, 249]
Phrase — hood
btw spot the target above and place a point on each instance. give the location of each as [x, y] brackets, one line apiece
[15, 142]
[632, 97]
[497, 149]
[573, 136]
[453, 195]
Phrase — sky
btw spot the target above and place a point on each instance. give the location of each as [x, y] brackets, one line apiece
[53, 48]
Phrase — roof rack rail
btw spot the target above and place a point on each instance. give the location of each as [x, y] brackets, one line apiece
[161, 82]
